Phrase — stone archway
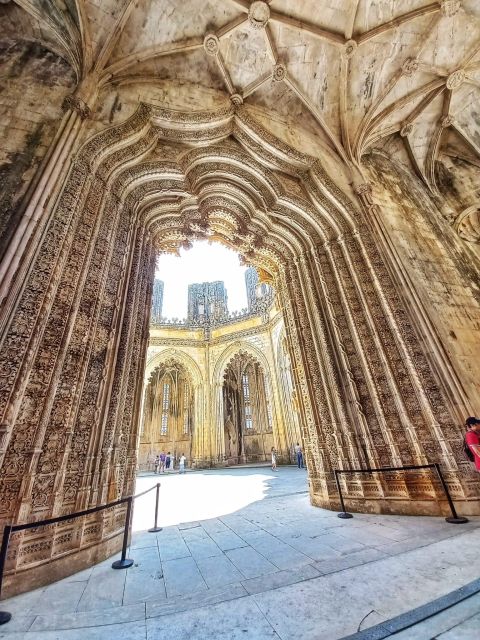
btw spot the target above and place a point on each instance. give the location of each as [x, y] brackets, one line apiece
[75, 332]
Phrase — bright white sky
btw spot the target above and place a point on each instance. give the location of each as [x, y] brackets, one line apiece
[204, 262]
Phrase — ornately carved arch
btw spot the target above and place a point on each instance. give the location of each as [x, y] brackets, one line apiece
[75, 332]
[189, 364]
[225, 357]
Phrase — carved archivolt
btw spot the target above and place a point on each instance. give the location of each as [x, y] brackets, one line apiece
[179, 356]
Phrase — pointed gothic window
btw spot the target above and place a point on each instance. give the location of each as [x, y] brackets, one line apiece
[165, 406]
[185, 409]
[246, 400]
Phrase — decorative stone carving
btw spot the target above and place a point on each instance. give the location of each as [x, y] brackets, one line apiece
[258, 14]
[450, 7]
[211, 44]
[406, 130]
[236, 99]
[455, 79]
[349, 48]
[77, 104]
[74, 347]
[447, 121]
[410, 66]
[279, 73]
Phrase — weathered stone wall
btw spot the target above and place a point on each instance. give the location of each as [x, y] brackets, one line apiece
[33, 84]
[442, 265]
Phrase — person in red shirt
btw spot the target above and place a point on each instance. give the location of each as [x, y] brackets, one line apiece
[472, 438]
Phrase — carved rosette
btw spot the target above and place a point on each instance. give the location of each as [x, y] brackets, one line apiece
[279, 73]
[236, 99]
[258, 14]
[211, 44]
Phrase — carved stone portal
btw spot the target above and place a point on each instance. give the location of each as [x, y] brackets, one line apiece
[74, 344]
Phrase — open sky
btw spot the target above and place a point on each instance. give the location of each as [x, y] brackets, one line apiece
[204, 262]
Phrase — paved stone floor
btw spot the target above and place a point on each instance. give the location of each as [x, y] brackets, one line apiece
[244, 555]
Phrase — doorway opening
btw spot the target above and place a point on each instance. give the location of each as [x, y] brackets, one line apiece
[218, 388]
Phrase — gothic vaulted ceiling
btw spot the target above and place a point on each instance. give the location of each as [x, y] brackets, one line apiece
[402, 74]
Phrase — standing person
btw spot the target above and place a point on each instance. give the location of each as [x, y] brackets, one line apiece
[168, 461]
[181, 464]
[472, 439]
[274, 459]
[156, 463]
[298, 452]
[162, 462]
[172, 462]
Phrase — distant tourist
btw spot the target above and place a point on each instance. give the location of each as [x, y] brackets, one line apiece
[298, 452]
[472, 439]
[156, 463]
[274, 459]
[162, 462]
[168, 461]
[181, 464]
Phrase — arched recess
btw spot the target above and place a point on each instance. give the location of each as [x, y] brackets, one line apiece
[251, 443]
[194, 454]
[74, 328]
[168, 420]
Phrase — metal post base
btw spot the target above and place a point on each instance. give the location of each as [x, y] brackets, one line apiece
[457, 520]
[155, 529]
[344, 515]
[122, 564]
[5, 617]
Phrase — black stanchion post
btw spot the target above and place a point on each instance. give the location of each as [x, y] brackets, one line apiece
[454, 518]
[124, 562]
[155, 527]
[344, 515]
[5, 616]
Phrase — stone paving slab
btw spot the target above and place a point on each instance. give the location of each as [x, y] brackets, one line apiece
[294, 569]
[244, 621]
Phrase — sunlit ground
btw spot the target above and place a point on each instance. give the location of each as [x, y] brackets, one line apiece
[203, 495]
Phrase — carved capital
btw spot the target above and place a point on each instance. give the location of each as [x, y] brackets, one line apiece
[364, 192]
[75, 103]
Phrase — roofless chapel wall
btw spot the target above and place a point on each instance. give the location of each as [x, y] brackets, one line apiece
[76, 289]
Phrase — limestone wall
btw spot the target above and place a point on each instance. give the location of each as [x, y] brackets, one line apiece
[34, 82]
[442, 266]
